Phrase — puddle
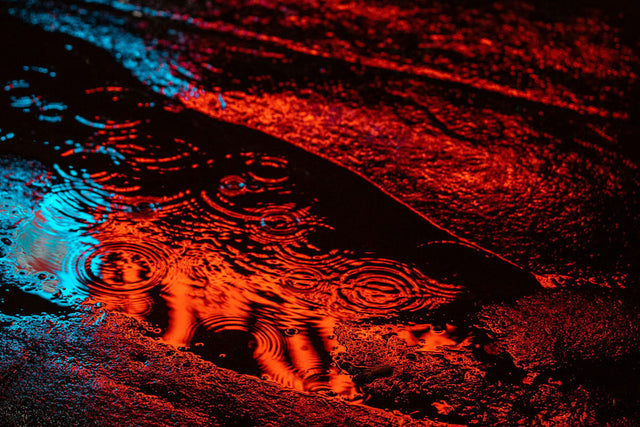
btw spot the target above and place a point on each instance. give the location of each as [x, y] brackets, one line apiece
[232, 243]
[135, 174]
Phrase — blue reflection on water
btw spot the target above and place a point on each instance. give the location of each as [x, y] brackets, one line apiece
[46, 232]
[148, 65]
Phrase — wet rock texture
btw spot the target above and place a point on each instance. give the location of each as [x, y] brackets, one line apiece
[98, 369]
[554, 358]
[564, 357]
[512, 124]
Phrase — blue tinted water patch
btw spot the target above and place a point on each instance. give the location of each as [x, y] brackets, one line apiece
[58, 106]
[7, 136]
[41, 70]
[54, 119]
[44, 226]
[32, 103]
[235, 250]
[85, 194]
[148, 65]
[45, 111]
[125, 7]
[23, 102]
[16, 84]
[90, 123]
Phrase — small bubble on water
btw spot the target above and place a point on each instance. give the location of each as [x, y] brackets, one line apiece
[289, 332]
[6, 241]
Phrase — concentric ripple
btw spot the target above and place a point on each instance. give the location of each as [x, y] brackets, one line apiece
[380, 286]
[270, 353]
[302, 255]
[270, 170]
[111, 107]
[257, 215]
[280, 225]
[224, 202]
[122, 268]
[270, 343]
[309, 286]
[31, 94]
[159, 154]
[303, 280]
[118, 120]
[80, 202]
[232, 186]
[239, 196]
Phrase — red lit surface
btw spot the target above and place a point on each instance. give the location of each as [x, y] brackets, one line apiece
[482, 272]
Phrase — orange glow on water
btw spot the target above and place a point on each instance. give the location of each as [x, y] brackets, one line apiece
[246, 268]
[249, 251]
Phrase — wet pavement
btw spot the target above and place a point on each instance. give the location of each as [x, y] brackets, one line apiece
[348, 214]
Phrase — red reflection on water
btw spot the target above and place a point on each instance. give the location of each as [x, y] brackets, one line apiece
[130, 261]
[229, 265]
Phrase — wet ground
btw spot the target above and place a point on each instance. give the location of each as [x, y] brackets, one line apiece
[259, 213]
